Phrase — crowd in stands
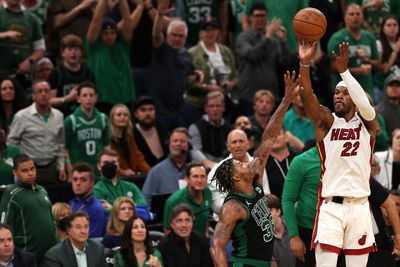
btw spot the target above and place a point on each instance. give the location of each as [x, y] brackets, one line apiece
[131, 105]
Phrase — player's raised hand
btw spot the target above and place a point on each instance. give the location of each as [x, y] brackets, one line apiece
[292, 87]
[306, 51]
[342, 60]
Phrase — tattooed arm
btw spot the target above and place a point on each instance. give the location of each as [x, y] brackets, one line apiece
[230, 213]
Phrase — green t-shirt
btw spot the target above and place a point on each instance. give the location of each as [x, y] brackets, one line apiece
[85, 137]
[195, 13]
[201, 211]
[112, 71]
[366, 42]
[6, 164]
[12, 53]
[285, 10]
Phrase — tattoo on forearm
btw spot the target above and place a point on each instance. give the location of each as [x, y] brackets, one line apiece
[221, 231]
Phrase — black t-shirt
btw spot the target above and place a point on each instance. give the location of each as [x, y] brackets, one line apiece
[276, 174]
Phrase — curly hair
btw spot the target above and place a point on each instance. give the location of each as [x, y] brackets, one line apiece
[223, 176]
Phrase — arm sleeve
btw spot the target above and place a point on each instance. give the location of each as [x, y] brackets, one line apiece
[358, 96]
[196, 143]
[68, 133]
[290, 194]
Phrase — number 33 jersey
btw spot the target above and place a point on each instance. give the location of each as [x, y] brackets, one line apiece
[345, 154]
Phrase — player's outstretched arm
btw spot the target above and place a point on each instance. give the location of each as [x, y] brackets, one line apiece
[274, 125]
[356, 92]
[231, 212]
[319, 115]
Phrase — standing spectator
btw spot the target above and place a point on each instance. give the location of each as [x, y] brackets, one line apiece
[210, 132]
[68, 74]
[172, 65]
[21, 39]
[389, 162]
[151, 138]
[390, 106]
[77, 249]
[136, 246]
[11, 256]
[61, 211]
[281, 254]
[363, 53]
[108, 55]
[39, 131]
[197, 195]
[131, 159]
[218, 65]
[167, 176]
[112, 186]
[85, 200]
[86, 130]
[26, 207]
[283, 10]
[71, 17]
[13, 98]
[184, 247]
[7, 154]
[122, 209]
[258, 53]
[301, 187]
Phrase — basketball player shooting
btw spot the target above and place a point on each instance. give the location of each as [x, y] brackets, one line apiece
[345, 141]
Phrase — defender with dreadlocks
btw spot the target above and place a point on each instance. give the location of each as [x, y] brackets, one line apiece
[245, 216]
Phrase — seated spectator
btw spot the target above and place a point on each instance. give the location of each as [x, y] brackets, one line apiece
[281, 254]
[151, 138]
[131, 159]
[167, 176]
[136, 246]
[12, 99]
[390, 106]
[111, 186]
[86, 130]
[77, 249]
[210, 132]
[197, 195]
[84, 200]
[68, 74]
[7, 154]
[389, 162]
[184, 247]
[39, 131]
[217, 63]
[61, 211]
[108, 55]
[122, 209]
[172, 65]
[42, 69]
[11, 256]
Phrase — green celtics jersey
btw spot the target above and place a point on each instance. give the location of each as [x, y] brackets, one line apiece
[253, 238]
[85, 137]
[196, 11]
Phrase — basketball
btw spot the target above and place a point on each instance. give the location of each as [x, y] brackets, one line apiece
[309, 24]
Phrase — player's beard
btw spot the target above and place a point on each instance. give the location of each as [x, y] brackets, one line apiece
[340, 113]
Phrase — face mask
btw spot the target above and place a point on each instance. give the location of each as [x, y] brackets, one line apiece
[109, 170]
[64, 223]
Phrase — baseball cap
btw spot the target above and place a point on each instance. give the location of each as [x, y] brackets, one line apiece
[108, 23]
[209, 21]
[144, 100]
[392, 78]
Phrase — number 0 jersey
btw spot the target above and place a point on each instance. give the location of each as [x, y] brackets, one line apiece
[253, 238]
[345, 154]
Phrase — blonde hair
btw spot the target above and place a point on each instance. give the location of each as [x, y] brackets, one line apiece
[262, 92]
[58, 208]
[115, 226]
[128, 131]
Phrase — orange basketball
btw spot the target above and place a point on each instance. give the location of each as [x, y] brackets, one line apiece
[309, 24]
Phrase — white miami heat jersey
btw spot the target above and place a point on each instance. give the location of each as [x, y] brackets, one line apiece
[345, 154]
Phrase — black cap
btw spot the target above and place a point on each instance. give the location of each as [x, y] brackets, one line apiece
[144, 100]
[108, 23]
[209, 21]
